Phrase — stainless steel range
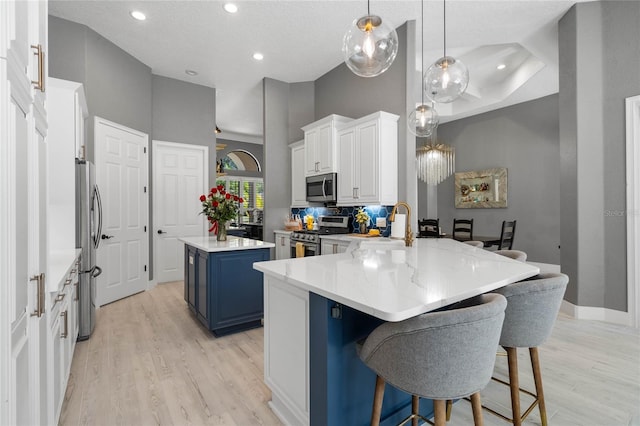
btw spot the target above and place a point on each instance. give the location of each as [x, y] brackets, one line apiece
[310, 240]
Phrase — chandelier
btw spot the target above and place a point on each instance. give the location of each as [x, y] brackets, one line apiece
[435, 161]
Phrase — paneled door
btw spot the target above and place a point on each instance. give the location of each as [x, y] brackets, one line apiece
[122, 176]
[180, 174]
[23, 213]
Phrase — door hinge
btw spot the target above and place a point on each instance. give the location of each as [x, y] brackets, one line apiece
[145, 189]
[145, 149]
[145, 268]
[145, 228]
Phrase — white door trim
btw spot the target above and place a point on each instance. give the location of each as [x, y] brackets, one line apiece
[154, 168]
[633, 209]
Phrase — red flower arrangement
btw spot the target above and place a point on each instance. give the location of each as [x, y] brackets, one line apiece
[220, 205]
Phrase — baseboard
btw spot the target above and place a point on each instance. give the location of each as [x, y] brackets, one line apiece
[595, 314]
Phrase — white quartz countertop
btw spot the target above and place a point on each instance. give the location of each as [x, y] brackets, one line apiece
[59, 264]
[393, 282]
[210, 244]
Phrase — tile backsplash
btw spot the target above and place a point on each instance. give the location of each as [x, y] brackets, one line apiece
[373, 211]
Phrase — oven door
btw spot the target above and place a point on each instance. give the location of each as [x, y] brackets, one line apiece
[310, 249]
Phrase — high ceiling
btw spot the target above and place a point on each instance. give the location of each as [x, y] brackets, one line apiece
[301, 40]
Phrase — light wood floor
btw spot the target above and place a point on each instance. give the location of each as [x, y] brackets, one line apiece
[150, 362]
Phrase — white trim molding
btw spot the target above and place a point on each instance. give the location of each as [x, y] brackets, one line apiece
[595, 314]
[633, 209]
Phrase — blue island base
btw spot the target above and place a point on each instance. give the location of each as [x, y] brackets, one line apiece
[341, 385]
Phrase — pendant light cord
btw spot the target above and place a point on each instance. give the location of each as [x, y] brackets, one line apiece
[422, 49]
[368, 11]
[444, 27]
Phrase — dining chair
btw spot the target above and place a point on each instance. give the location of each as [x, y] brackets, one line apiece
[429, 228]
[440, 355]
[462, 229]
[507, 235]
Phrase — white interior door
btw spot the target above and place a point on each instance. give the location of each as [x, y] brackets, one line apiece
[179, 178]
[122, 176]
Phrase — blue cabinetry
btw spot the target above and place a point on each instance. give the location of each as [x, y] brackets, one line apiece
[223, 289]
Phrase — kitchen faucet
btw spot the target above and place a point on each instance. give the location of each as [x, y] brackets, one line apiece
[408, 235]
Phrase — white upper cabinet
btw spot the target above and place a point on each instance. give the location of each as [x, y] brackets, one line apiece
[367, 160]
[320, 145]
[298, 182]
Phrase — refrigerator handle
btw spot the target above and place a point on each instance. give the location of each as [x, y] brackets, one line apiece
[96, 238]
[95, 271]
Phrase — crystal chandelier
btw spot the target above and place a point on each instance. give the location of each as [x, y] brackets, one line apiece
[435, 161]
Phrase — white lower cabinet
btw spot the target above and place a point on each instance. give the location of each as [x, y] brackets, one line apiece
[329, 245]
[283, 244]
[286, 350]
[61, 339]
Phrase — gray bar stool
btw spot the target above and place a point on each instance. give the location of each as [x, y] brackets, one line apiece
[513, 254]
[532, 308]
[439, 355]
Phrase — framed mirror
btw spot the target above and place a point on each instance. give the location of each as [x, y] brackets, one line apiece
[483, 189]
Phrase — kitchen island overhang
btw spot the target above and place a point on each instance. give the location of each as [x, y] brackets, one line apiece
[318, 307]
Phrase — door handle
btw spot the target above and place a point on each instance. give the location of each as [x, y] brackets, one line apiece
[160, 231]
[106, 237]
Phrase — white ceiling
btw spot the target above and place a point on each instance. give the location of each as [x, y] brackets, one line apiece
[301, 40]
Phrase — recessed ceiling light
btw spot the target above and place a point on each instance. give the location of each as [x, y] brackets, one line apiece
[258, 56]
[230, 7]
[136, 14]
[191, 72]
[501, 66]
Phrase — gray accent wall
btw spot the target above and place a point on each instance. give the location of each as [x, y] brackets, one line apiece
[600, 67]
[117, 85]
[524, 139]
[185, 113]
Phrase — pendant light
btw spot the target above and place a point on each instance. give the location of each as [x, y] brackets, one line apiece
[369, 46]
[446, 79]
[424, 118]
[435, 161]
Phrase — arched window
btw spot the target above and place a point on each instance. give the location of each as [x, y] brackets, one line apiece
[240, 160]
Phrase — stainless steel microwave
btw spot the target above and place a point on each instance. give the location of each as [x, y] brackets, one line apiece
[322, 188]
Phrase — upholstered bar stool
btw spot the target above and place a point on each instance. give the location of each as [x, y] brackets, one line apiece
[513, 254]
[532, 308]
[476, 244]
[439, 355]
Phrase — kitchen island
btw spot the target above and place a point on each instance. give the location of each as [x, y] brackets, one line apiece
[317, 308]
[220, 285]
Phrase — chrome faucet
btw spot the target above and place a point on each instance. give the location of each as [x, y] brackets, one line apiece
[408, 235]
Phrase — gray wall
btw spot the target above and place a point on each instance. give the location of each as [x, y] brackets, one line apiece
[256, 149]
[600, 67]
[117, 86]
[524, 139]
[185, 113]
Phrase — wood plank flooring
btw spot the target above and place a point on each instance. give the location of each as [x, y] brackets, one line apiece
[150, 361]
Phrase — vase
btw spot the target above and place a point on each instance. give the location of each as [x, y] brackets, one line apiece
[222, 231]
[363, 228]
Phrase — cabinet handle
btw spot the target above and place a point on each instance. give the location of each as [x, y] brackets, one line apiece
[67, 282]
[39, 84]
[282, 241]
[335, 249]
[65, 333]
[77, 296]
[59, 298]
[40, 294]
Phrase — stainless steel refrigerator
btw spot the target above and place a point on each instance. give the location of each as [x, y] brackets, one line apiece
[88, 232]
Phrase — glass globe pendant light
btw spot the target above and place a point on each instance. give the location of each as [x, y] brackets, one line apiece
[448, 78]
[369, 46]
[424, 118]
